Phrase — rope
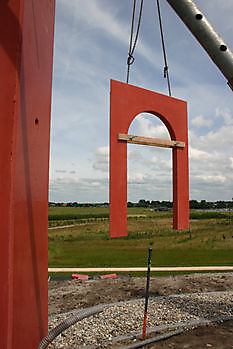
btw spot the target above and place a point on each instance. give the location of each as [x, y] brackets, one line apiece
[165, 69]
[132, 46]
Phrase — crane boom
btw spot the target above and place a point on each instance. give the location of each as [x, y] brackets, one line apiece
[209, 39]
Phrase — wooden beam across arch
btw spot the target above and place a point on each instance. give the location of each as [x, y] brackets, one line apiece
[156, 142]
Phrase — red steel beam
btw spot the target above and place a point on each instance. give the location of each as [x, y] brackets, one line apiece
[26, 58]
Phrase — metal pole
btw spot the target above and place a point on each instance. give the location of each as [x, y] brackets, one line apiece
[209, 39]
[147, 294]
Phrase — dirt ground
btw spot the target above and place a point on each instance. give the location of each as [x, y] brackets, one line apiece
[218, 336]
[67, 295]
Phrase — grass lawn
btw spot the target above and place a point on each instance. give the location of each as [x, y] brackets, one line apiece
[87, 244]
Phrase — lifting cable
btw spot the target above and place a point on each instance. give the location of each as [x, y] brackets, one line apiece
[165, 69]
[132, 46]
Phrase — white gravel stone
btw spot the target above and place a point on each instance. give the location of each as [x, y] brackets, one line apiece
[121, 319]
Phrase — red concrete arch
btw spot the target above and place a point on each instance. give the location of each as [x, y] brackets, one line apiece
[126, 102]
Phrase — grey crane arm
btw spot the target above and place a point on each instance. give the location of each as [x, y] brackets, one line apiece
[210, 40]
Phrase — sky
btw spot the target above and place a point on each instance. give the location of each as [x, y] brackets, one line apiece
[91, 47]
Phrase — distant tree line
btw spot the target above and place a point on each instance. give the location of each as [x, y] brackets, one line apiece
[194, 204]
[203, 204]
[77, 204]
[150, 204]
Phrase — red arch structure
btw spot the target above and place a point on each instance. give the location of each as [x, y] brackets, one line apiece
[127, 102]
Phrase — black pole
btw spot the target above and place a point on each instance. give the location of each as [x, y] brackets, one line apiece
[147, 293]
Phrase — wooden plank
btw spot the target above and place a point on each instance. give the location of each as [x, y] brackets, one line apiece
[156, 142]
[140, 269]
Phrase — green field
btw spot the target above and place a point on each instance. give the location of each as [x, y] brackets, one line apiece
[87, 244]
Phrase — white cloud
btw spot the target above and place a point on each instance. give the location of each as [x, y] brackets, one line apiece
[198, 155]
[138, 178]
[217, 140]
[150, 127]
[226, 115]
[162, 164]
[79, 189]
[102, 152]
[101, 159]
[134, 155]
[218, 179]
[200, 121]
[60, 171]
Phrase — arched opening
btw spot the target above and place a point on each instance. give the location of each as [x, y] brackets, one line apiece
[149, 169]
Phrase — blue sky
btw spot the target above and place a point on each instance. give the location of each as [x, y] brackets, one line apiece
[91, 47]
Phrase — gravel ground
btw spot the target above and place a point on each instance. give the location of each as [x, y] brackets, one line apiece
[123, 318]
[67, 295]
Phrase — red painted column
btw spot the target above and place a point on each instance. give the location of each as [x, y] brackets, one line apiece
[118, 176]
[26, 56]
[180, 188]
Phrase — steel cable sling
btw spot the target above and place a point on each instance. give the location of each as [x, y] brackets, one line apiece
[165, 69]
[132, 46]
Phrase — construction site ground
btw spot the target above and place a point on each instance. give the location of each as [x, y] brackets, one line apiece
[67, 295]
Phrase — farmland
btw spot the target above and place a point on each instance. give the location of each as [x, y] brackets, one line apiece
[79, 237]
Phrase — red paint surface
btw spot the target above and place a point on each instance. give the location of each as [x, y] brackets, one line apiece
[79, 277]
[127, 102]
[109, 276]
[26, 55]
